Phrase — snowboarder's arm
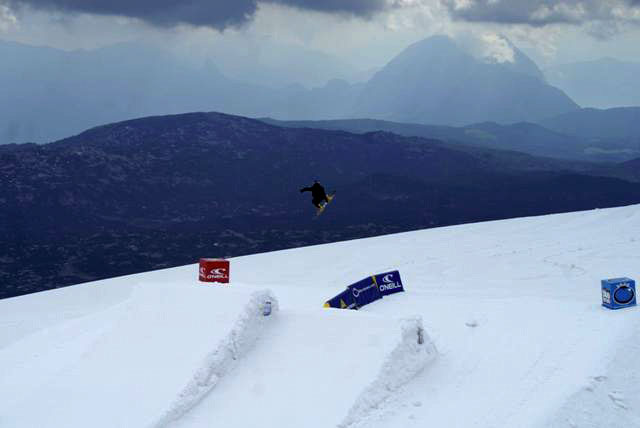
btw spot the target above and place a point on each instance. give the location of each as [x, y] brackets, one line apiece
[305, 189]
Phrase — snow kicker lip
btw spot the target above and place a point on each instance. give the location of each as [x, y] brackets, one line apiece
[220, 361]
[412, 354]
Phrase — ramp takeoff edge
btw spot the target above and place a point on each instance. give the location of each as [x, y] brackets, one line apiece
[245, 332]
[411, 355]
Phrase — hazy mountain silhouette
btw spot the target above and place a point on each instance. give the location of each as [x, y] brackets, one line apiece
[435, 81]
[268, 62]
[50, 94]
[621, 122]
[630, 170]
[523, 137]
[612, 132]
[603, 83]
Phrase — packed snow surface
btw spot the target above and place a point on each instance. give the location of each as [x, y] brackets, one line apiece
[515, 336]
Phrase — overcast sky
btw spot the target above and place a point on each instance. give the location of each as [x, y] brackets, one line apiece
[364, 33]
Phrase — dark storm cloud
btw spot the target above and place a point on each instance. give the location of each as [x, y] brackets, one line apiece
[218, 14]
[213, 13]
[536, 12]
[352, 7]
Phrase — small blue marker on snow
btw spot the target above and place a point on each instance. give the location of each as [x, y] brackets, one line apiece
[266, 310]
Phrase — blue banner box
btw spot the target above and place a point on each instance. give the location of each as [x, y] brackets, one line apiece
[367, 290]
[618, 293]
[344, 300]
[389, 283]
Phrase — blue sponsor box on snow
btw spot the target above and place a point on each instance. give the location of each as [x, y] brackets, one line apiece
[618, 293]
[389, 283]
[365, 291]
[368, 290]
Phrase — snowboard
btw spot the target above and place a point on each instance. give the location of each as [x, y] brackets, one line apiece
[320, 210]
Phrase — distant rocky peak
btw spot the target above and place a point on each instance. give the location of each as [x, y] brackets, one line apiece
[480, 48]
[497, 49]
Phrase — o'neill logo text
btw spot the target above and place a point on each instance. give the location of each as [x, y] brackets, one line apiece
[389, 283]
[217, 273]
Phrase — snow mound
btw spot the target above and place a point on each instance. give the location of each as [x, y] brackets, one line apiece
[412, 354]
[144, 348]
[310, 367]
[222, 359]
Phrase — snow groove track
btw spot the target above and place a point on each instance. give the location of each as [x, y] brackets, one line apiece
[219, 362]
[324, 367]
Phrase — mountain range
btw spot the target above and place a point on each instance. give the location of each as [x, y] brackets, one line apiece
[596, 124]
[163, 191]
[434, 81]
[50, 94]
[583, 135]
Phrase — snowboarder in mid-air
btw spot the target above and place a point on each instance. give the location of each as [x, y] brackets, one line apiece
[320, 199]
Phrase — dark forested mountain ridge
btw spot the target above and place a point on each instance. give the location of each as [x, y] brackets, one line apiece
[164, 191]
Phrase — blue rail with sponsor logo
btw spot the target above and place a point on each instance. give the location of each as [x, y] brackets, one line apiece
[368, 290]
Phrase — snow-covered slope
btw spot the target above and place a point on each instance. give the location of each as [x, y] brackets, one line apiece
[512, 307]
[151, 352]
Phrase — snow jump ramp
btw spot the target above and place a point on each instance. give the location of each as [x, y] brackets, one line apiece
[143, 360]
[316, 368]
[156, 350]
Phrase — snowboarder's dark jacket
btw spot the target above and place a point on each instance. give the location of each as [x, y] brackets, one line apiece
[317, 191]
